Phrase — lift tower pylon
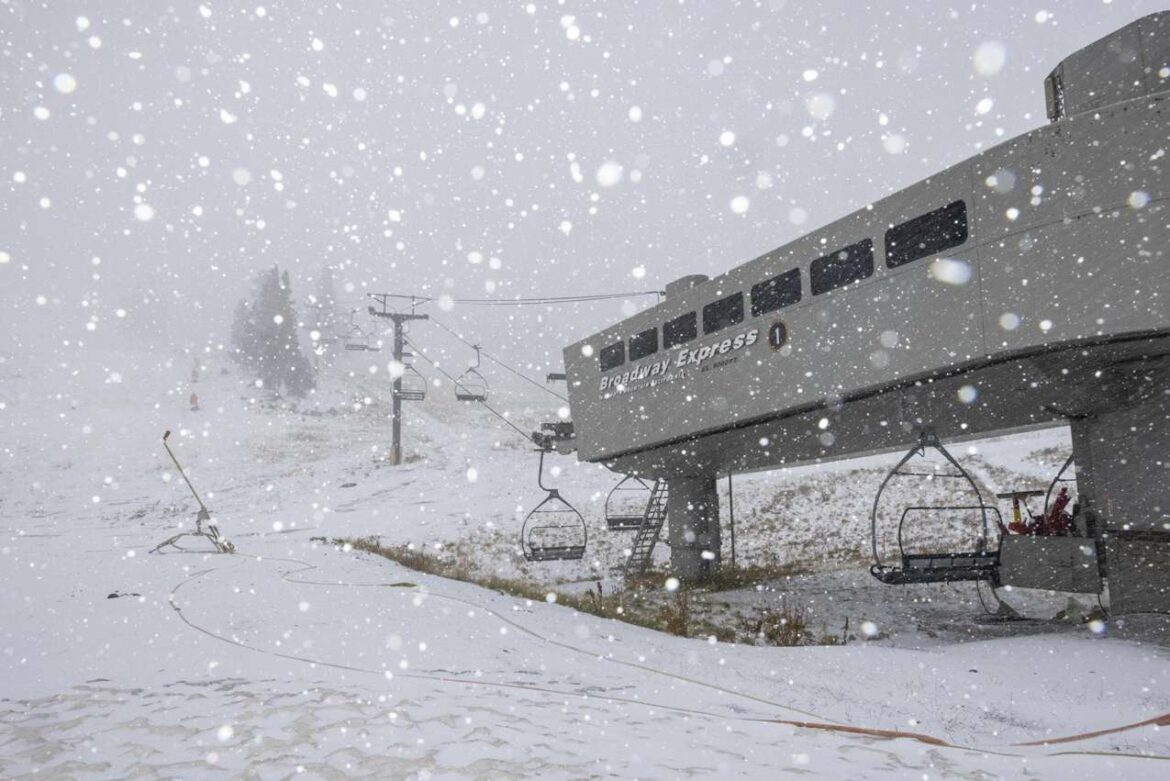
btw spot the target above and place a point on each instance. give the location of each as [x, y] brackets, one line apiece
[397, 318]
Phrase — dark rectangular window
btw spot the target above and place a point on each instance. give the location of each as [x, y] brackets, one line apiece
[927, 235]
[723, 313]
[776, 293]
[643, 344]
[680, 330]
[842, 267]
[613, 356]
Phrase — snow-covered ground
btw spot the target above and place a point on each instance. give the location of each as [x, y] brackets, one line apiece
[295, 657]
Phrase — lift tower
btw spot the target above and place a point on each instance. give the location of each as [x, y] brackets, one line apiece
[397, 318]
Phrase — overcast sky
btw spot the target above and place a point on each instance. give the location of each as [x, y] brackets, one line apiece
[484, 149]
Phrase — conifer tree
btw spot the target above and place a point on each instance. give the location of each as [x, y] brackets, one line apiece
[264, 337]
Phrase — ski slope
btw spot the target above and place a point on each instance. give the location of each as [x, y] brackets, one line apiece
[296, 658]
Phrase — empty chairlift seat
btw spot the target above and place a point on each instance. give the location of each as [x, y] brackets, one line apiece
[553, 530]
[926, 532]
[625, 507]
[471, 385]
[357, 339]
[941, 567]
[412, 386]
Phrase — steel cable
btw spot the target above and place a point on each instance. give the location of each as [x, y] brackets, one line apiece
[421, 354]
[500, 363]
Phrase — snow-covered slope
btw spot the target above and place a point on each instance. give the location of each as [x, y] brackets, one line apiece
[293, 656]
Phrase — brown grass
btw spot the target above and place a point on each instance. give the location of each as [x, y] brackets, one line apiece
[728, 579]
[786, 627]
[644, 603]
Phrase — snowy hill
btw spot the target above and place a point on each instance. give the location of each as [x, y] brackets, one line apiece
[292, 656]
[154, 158]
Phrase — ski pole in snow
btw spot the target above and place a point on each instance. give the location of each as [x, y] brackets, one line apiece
[212, 534]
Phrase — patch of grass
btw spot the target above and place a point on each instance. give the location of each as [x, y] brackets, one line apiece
[786, 627]
[676, 616]
[728, 579]
[641, 603]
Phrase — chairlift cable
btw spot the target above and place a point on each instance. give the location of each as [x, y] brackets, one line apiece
[483, 352]
[419, 353]
[500, 363]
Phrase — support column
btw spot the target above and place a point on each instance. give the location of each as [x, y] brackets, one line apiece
[396, 402]
[398, 318]
[692, 511]
[1123, 482]
[1123, 465]
[1081, 430]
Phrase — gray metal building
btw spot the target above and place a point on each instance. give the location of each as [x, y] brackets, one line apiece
[1028, 286]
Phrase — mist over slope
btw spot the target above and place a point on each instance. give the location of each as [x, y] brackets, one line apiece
[155, 158]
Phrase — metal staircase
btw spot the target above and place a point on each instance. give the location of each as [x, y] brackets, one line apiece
[647, 537]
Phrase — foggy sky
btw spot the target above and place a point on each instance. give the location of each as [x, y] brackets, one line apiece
[174, 150]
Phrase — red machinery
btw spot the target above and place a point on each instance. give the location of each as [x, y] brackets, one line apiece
[1055, 523]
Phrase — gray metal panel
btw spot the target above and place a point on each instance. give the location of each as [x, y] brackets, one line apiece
[1028, 181]
[1055, 563]
[1129, 445]
[875, 330]
[1116, 152]
[1082, 257]
[1155, 43]
[1139, 576]
[1084, 281]
[1105, 72]
[878, 423]
[1086, 166]
[1123, 65]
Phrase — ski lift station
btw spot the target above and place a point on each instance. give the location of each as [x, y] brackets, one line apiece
[1025, 287]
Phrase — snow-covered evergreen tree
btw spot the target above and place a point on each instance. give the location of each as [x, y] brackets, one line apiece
[264, 337]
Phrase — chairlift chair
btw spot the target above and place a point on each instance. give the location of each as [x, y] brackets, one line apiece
[357, 339]
[981, 563]
[553, 530]
[471, 385]
[625, 507]
[411, 386]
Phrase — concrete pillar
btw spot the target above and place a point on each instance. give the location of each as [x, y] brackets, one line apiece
[1123, 480]
[692, 512]
[1123, 465]
[1082, 442]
